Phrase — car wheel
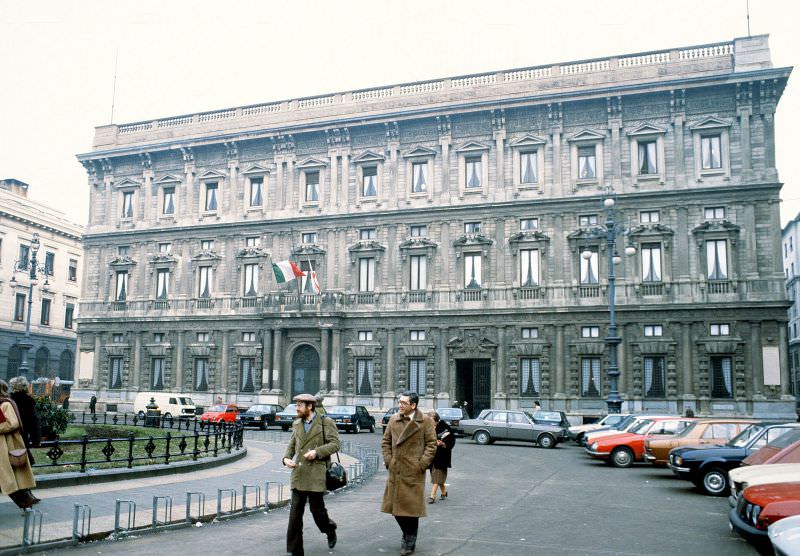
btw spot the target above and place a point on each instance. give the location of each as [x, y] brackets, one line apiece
[263, 426]
[167, 416]
[546, 440]
[482, 438]
[372, 427]
[357, 428]
[621, 457]
[715, 482]
[579, 439]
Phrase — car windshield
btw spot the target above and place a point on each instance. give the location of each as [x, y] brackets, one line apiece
[641, 426]
[623, 423]
[186, 401]
[448, 412]
[291, 408]
[741, 440]
[347, 409]
[785, 440]
[255, 408]
[216, 408]
[548, 416]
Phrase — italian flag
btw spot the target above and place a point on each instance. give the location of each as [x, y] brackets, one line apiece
[286, 271]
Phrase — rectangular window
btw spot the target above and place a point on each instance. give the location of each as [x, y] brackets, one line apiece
[256, 192]
[158, 337]
[718, 329]
[530, 333]
[203, 336]
[648, 163]
[45, 316]
[157, 373]
[585, 220]
[369, 181]
[528, 223]
[717, 259]
[528, 171]
[72, 270]
[168, 207]
[248, 336]
[312, 187]
[590, 377]
[162, 283]
[118, 338]
[419, 182]
[201, 374]
[211, 197]
[653, 330]
[250, 280]
[655, 379]
[587, 163]
[115, 380]
[204, 275]
[529, 376]
[590, 331]
[247, 367]
[309, 237]
[121, 286]
[123, 250]
[416, 376]
[649, 216]
[19, 307]
[69, 314]
[207, 244]
[711, 154]
[714, 213]
[24, 254]
[253, 241]
[651, 262]
[418, 231]
[366, 274]
[49, 262]
[721, 377]
[417, 335]
[472, 271]
[419, 272]
[472, 227]
[365, 335]
[474, 172]
[165, 247]
[365, 376]
[127, 204]
[589, 268]
[529, 268]
[366, 233]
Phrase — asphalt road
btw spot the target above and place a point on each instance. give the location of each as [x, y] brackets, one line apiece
[507, 498]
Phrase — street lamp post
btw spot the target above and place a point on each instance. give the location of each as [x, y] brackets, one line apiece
[609, 231]
[33, 271]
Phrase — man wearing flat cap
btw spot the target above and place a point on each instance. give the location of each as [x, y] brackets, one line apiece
[314, 439]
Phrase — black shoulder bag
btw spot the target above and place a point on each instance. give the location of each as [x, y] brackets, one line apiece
[335, 475]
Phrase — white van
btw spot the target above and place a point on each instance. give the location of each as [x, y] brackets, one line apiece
[170, 404]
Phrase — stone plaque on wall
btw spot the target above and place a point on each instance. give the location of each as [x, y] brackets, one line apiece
[772, 365]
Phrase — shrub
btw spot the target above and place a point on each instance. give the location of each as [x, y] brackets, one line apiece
[52, 418]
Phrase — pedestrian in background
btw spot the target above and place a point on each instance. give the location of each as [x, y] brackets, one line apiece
[92, 404]
[15, 481]
[445, 440]
[31, 431]
[409, 445]
[314, 439]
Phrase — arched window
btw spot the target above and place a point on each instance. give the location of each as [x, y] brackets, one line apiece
[42, 365]
[14, 357]
[65, 366]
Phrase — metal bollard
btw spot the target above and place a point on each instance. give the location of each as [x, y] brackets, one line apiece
[32, 527]
[201, 505]
[245, 488]
[81, 522]
[131, 505]
[232, 498]
[167, 510]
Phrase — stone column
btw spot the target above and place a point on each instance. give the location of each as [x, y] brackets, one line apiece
[558, 185]
[266, 368]
[280, 183]
[757, 360]
[687, 361]
[276, 359]
[680, 163]
[179, 362]
[324, 369]
[223, 377]
[769, 137]
[334, 197]
[744, 127]
[98, 353]
[390, 370]
[783, 357]
[500, 383]
[444, 385]
[336, 351]
[135, 383]
[344, 183]
[558, 358]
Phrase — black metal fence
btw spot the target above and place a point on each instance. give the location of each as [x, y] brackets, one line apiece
[135, 420]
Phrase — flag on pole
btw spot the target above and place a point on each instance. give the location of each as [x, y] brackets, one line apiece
[314, 283]
[286, 271]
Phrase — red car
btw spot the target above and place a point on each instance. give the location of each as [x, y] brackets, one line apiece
[219, 414]
[621, 450]
[762, 505]
[784, 449]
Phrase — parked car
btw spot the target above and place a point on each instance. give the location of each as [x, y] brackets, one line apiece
[387, 416]
[751, 475]
[352, 418]
[762, 505]
[223, 413]
[285, 418]
[702, 432]
[708, 467]
[576, 432]
[554, 418]
[453, 417]
[260, 415]
[506, 424]
[622, 450]
[775, 447]
[623, 426]
[170, 405]
[785, 536]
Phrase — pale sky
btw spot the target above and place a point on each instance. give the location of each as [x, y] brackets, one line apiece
[177, 57]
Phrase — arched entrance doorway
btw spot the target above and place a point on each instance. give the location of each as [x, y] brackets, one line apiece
[305, 371]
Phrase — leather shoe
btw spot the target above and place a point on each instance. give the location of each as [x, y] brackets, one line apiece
[332, 539]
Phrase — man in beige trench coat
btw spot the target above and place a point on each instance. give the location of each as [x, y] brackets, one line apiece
[409, 444]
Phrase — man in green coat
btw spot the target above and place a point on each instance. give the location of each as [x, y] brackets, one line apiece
[307, 455]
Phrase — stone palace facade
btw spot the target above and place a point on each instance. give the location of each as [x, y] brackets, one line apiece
[452, 226]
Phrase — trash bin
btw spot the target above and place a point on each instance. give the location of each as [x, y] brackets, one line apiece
[153, 416]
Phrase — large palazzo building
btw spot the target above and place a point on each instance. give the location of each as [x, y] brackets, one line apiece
[791, 269]
[452, 226]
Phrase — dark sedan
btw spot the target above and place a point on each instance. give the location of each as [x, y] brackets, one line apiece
[708, 467]
[453, 417]
[387, 416]
[352, 418]
[259, 415]
[554, 418]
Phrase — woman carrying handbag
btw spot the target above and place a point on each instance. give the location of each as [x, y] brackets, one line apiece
[16, 475]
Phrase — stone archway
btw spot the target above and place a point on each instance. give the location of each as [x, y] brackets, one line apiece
[305, 370]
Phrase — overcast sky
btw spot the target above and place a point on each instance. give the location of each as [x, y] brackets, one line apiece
[57, 60]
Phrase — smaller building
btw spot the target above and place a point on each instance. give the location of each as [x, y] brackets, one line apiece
[51, 305]
[791, 268]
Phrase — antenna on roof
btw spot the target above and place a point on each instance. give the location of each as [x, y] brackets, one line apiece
[114, 88]
[748, 18]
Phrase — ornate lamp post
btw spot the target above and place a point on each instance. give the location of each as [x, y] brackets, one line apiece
[609, 231]
[33, 270]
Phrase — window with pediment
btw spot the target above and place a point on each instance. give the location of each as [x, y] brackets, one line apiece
[312, 259]
[211, 192]
[127, 204]
[419, 171]
[249, 263]
[653, 242]
[472, 252]
[369, 169]
[711, 140]
[204, 266]
[168, 187]
[473, 167]
[366, 255]
[586, 156]
[527, 161]
[647, 152]
[312, 174]
[121, 269]
[529, 247]
[416, 253]
[162, 265]
[716, 240]
[257, 177]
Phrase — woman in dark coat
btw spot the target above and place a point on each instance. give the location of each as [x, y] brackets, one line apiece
[31, 431]
[445, 440]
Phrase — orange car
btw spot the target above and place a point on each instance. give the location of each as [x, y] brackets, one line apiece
[621, 450]
[703, 432]
[219, 414]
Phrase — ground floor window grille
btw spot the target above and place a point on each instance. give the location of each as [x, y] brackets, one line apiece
[116, 373]
[416, 375]
[590, 377]
[365, 375]
[654, 377]
[721, 377]
[201, 374]
[247, 365]
[529, 376]
[158, 373]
